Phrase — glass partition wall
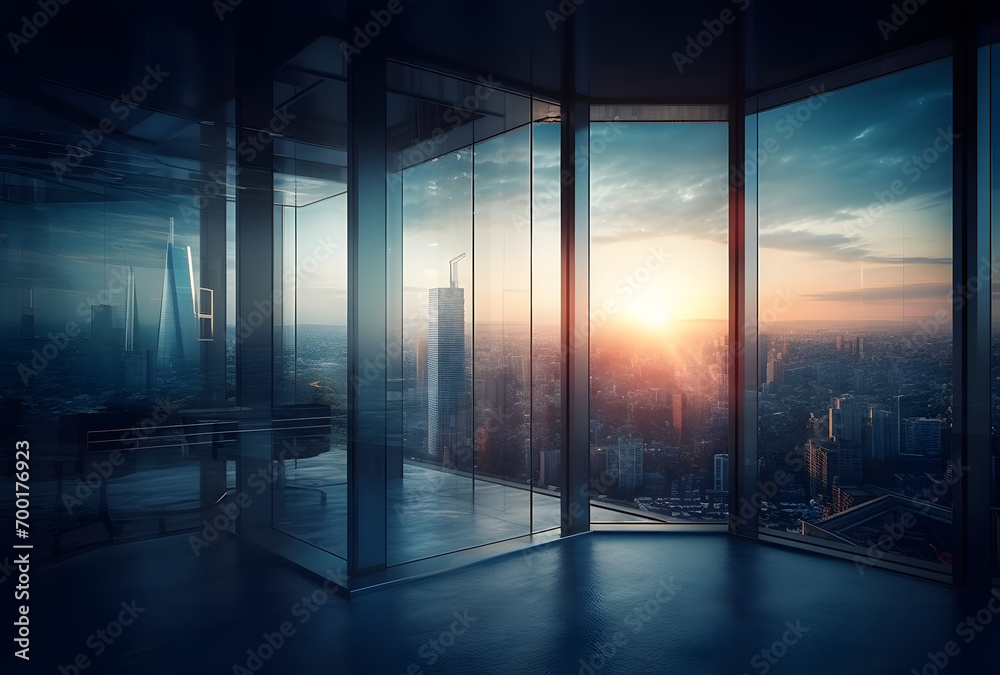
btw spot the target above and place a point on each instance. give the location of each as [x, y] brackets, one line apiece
[474, 392]
[116, 269]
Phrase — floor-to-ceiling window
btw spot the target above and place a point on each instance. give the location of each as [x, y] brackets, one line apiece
[854, 214]
[659, 314]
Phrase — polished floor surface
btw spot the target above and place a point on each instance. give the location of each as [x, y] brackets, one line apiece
[597, 604]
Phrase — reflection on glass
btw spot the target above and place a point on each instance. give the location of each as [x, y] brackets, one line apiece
[546, 351]
[993, 82]
[855, 339]
[502, 327]
[113, 299]
[310, 492]
[659, 321]
[473, 413]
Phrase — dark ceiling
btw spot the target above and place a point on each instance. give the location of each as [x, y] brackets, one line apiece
[62, 78]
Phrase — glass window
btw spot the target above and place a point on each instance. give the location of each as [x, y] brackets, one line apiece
[855, 334]
[659, 321]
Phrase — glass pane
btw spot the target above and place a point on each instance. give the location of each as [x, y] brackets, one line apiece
[855, 348]
[459, 324]
[431, 504]
[309, 411]
[546, 350]
[993, 84]
[115, 281]
[502, 335]
[659, 321]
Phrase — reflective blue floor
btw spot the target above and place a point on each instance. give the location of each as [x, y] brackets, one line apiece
[601, 603]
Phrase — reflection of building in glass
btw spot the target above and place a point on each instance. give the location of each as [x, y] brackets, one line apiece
[176, 310]
[895, 524]
[722, 472]
[445, 365]
[625, 463]
[548, 467]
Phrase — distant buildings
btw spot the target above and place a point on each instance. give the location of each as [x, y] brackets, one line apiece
[624, 462]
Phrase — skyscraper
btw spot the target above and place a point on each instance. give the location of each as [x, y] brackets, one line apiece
[722, 472]
[445, 365]
[176, 326]
[625, 463]
[28, 318]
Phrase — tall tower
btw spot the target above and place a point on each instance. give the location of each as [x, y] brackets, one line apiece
[176, 326]
[28, 318]
[445, 365]
[131, 307]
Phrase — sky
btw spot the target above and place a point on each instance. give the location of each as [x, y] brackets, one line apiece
[854, 210]
[853, 215]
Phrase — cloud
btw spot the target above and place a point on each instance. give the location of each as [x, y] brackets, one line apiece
[908, 292]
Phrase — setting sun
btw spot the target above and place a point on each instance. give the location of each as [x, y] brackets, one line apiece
[650, 312]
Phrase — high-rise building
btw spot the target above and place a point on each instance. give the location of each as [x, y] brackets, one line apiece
[446, 376]
[28, 318]
[624, 462]
[923, 435]
[722, 472]
[100, 328]
[175, 336]
[884, 436]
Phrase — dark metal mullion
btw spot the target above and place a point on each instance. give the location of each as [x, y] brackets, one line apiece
[970, 452]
